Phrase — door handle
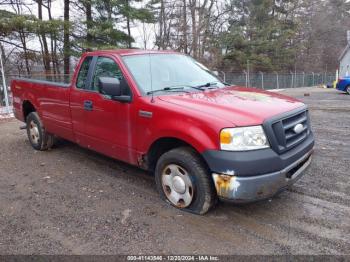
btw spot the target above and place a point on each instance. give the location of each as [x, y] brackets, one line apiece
[88, 105]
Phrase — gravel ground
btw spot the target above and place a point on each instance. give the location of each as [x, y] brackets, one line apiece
[73, 201]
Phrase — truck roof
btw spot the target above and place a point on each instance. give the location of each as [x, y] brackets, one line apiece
[124, 52]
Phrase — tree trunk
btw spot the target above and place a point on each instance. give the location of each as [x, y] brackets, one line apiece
[166, 32]
[25, 51]
[161, 22]
[66, 43]
[88, 13]
[145, 36]
[53, 43]
[206, 12]
[128, 22]
[184, 26]
[2, 94]
[194, 28]
[129, 33]
[46, 54]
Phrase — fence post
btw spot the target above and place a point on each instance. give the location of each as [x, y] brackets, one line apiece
[262, 80]
[320, 76]
[248, 74]
[303, 79]
[291, 84]
[224, 74]
[4, 85]
[246, 78]
[277, 84]
[313, 79]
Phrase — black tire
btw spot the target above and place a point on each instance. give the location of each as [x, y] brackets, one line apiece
[347, 90]
[41, 140]
[203, 192]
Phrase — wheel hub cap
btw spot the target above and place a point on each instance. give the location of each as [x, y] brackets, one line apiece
[34, 132]
[177, 185]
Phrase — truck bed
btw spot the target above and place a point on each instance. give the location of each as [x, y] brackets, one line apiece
[50, 98]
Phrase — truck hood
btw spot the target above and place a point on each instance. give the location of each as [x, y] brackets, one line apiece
[239, 105]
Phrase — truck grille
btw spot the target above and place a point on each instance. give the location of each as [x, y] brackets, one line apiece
[282, 135]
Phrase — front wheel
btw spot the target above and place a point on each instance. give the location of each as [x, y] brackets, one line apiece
[184, 181]
[348, 90]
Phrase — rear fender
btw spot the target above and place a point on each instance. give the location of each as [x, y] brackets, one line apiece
[20, 95]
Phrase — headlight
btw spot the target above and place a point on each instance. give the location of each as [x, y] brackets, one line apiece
[243, 138]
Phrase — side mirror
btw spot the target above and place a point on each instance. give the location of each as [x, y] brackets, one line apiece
[111, 86]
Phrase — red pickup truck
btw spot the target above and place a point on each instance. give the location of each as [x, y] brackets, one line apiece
[164, 112]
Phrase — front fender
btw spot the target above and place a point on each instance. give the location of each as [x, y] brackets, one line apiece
[197, 138]
[199, 135]
[165, 120]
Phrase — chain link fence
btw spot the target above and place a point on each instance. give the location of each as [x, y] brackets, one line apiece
[277, 80]
[258, 80]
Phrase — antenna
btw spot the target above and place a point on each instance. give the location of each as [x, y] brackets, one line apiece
[150, 71]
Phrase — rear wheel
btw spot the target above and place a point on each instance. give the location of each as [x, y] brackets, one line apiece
[38, 137]
[184, 181]
[348, 90]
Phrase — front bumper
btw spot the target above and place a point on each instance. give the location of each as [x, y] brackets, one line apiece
[255, 188]
[257, 162]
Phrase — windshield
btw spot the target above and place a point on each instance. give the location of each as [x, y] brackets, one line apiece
[165, 71]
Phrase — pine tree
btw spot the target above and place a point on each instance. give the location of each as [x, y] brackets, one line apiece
[261, 32]
[104, 19]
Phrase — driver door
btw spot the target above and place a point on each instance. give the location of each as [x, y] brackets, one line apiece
[107, 122]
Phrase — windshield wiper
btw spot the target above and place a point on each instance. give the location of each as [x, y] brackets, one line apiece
[168, 89]
[209, 84]
[181, 88]
[200, 87]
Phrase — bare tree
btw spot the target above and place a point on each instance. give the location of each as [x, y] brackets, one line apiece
[66, 43]
[184, 27]
[42, 39]
[53, 40]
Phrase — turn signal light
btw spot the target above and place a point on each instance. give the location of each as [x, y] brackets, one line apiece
[225, 137]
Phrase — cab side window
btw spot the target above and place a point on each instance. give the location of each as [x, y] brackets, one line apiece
[83, 73]
[106, 67]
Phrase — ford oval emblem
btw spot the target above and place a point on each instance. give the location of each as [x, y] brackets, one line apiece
[298, 128]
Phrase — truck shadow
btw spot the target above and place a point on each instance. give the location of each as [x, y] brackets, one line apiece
[63, 145]
[145, 179]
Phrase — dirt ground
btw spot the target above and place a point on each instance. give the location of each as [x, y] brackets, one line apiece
[73, 201]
